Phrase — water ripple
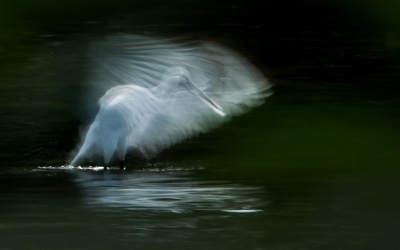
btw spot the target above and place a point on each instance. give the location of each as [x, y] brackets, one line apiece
[171, 191]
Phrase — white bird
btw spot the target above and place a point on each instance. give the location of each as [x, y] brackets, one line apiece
[160, 92]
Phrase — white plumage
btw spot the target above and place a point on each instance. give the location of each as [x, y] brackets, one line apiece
[160, 92]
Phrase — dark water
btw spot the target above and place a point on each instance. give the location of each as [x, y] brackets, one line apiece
[158, 207]
[316, 167]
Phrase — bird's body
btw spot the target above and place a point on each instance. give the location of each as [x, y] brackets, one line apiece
[169, 97]
[115, 121]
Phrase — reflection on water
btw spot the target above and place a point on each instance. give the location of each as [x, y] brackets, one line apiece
[165, 190]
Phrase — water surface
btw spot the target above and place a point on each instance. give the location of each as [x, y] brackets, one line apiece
[156, 207]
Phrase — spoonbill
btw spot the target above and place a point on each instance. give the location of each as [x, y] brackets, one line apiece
[159, 92]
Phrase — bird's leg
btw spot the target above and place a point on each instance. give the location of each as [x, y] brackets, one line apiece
[109, 143]
[121, 149]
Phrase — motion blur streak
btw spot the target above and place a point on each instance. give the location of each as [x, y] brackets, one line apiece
[161, 92]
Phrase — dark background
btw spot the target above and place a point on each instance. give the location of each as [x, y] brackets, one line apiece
[334, 66]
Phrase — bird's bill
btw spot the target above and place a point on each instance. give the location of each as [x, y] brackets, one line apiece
[214, 106]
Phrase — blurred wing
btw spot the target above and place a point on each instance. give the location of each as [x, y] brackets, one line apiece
[226, 77]
[186, 117]
[131, 59]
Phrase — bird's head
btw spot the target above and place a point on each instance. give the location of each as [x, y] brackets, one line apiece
[178, 79]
